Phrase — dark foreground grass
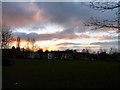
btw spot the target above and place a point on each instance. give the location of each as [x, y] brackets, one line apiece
[61, 74]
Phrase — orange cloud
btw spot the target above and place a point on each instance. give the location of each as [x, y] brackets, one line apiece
[84, 36]
[29, 13]
[103, 37]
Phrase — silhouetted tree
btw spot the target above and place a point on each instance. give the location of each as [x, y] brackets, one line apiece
[18, 43]
[40, 52]
[33, 44]
[13, 51]
[28, 44]
[85, 50]
[102, 50]
[6, 36]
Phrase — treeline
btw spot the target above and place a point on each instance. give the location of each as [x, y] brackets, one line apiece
[86, 55]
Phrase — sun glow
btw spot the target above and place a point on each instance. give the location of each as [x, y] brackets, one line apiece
[45, 45]
[54, 44]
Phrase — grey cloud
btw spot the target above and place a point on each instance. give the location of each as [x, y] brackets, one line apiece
[72, 14]
[25, 36]
[67, 43]
[112, 37]
[67, 12]
[15, 10]
[56, 12]
[15, 13]
[45, 36]
[34, 35]
[65, 34]
[63, 13]
[106, 43]
[36, 27]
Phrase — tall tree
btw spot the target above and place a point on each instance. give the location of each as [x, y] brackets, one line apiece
[18, 42]
[6, 36]
[28, 44]
[33, 44]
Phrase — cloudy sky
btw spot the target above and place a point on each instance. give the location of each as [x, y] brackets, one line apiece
[58, 25]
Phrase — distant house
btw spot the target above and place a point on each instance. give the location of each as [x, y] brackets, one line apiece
[50, 56]
[33, 55]
[81, 56]
[60, 55]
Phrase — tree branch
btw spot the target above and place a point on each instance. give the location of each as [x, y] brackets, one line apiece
[100, 24]
[104, 6]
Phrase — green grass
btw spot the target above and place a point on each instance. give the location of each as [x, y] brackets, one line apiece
[61, 74]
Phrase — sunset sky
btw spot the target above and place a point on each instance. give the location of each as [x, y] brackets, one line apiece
[58, 25]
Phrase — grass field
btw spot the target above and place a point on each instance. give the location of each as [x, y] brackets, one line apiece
[61, 74]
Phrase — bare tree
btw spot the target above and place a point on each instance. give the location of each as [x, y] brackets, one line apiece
[27, 47]
[6, 36]
[18, 42]
[105, 6]
[33, 43]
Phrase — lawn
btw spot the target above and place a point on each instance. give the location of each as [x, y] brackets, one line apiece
[61, 74]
